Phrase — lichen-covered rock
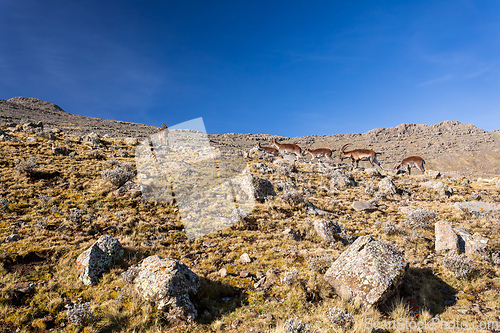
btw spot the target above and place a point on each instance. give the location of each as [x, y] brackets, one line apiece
[131, 141]
[369, 271]
[478, 207]
[94, 139]
[331, 231]
[387, 186]
[168, 283]
[99, 258]
[372, 172]
[262, 188]
[340, 180]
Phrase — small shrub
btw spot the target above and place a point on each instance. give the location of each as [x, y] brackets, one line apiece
[320, 263]
[4, 203]
[112, 163]
[28, 166]
[421, 218]
[290, 277]
[76, 215]
[44, 200]
[117, 176]
[81, 314]
[390, 228]
[291, 196]
[130, 274]
[295, 325]
[462, 266]
[339, 317]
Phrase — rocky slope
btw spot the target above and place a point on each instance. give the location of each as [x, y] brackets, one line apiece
[449, 146]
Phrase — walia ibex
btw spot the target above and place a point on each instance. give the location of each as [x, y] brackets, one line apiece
[357, 155]
[317, 153]
[270, 150]
[288, 148]
[416, 161]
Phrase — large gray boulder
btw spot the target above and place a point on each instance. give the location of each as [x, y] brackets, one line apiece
[478, 207]
[369, 271]
[99, 258]
[168, 283]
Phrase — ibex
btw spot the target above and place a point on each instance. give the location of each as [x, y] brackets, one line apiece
[357, 155]
[416, 161]
[163, 134]
[288, 148]
[269, 150]
[317, 153]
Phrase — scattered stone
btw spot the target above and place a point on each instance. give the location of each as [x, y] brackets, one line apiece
[331, 231]
[432, 174]
[59, 150]
[244, 274]
[458, 239]
[291, 234]
[131, 141]
[245, 259]
[223, 272]
[169, 284]
[129, 189]
[478, 208]
[235, 323]
[406, 210]
[438, 186]
[4, 136]
[368, 271]
[263, 168]
[94, 139]
[372, 172]
[313, 210]
[387, 186]
[98, 259]
[446, 238]
[12, 238]
[362, 205]
[263, 188]
[340, 180]
[209, 244]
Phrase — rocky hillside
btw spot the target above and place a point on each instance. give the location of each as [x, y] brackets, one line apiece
[449, 146]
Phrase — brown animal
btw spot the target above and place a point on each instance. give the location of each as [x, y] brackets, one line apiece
[269, 150]
[357, 155]
[317, 153]
[288, 148]
[163, 134]
[415, 161]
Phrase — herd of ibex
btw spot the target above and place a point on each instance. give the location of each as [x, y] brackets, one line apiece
[355, 155]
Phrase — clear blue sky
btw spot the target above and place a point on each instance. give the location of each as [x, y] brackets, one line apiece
[290, 68]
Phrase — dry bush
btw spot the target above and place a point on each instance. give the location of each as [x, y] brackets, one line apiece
[462, 266]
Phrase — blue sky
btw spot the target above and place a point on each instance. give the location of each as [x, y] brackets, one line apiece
[289, 68]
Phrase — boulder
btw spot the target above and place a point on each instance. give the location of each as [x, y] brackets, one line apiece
[387, 186]
[291, 234]
[478, 207]
[369, 271]
[340, 180]
[331, 231]
[131, 141]
[169, 284]
[457, 239]
[364, 205]
[98, 259]
[432, 174]
[446, 238]
[262, 188]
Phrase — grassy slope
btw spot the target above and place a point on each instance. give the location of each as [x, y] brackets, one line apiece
[51, 241]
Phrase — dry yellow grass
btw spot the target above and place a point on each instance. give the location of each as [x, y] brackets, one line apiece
[40, 211]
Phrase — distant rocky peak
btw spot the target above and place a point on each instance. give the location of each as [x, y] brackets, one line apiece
[35, 103]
